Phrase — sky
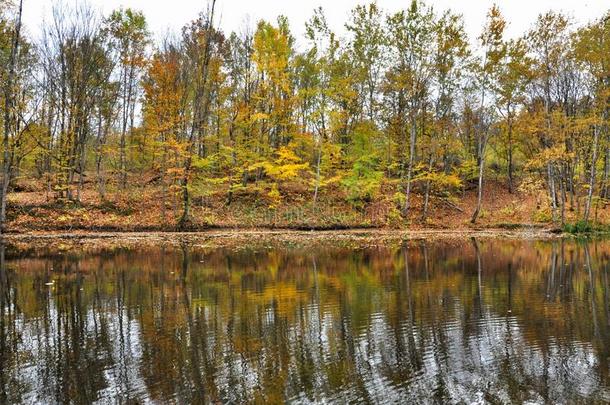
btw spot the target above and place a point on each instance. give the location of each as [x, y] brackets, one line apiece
[164, 15]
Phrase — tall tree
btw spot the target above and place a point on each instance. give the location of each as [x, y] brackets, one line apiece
[549, 43]
[514, 75]
[411, 34]
[129, 33]
[11, 116]
[204, 37]
[592, 49]
[451, 54]
[486, 70]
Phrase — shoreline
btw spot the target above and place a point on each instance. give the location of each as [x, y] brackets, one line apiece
[266, 234]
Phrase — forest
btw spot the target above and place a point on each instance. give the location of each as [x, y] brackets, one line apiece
[401, 120]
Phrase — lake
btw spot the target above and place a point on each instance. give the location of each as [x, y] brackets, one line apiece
[487, 321]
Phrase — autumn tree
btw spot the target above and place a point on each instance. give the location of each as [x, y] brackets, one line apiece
[513, 77]
[411, 34]
[449, 66]
[199, 63]
[548, 41]
[401, 109]
[592, 50]
[485, 72]
[164, 116]
[72, 57]
[129, 36]
[11, 41]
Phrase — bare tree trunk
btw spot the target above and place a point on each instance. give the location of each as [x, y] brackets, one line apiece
[412, 138]
[184, 219]
[101, 136]
[510, 157]
[315, 192]
[570, 180]
[477, 211]
[81, 174]
[127, 79]
[563, 185]
[123, 131]
[427, 194]
[164, 184]
[482, 145]
[604, 190]
[592, 176]
[7, 163]
[552, 195]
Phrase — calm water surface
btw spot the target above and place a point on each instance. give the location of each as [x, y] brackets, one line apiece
[468, 321]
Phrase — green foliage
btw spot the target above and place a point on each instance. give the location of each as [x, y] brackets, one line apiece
[394, 217]
[128, 33]
[583, 227]
[578, 227]
[403, 98]
[398, 199]
[468, 170]
[363, 180]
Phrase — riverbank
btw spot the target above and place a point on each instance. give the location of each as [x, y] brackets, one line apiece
[141, 211]
[242, 238]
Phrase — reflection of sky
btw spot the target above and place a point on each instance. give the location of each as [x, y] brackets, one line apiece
[468, 368]
[453, 348]
[42, 341]
[467, 365]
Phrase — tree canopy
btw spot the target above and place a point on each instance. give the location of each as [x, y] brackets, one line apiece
[403, 104]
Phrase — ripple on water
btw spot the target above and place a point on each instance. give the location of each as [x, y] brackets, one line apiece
[362, 330]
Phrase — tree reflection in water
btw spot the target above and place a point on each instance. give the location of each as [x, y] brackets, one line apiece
[505, 321]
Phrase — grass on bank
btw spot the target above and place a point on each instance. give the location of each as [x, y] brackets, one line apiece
[583, 227]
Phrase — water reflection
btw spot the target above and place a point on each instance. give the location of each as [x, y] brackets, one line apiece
[494, 321]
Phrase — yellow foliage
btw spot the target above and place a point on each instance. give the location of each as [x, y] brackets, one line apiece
[275, 196]
[440, 179]
[286, 166]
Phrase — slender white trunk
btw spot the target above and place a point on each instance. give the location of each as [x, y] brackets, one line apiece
[7, 163]
[592, 176]
[315, 193]
[410, 167]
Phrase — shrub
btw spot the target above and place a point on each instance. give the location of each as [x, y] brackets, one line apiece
[578, 227]
[364, 180]
[394, 218]
[542, 215]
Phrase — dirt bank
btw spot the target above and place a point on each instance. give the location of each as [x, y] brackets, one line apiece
[258, 237]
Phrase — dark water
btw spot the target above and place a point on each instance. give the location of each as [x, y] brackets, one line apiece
[469, 321]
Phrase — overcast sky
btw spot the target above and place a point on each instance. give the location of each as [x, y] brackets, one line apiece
[173, 14]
